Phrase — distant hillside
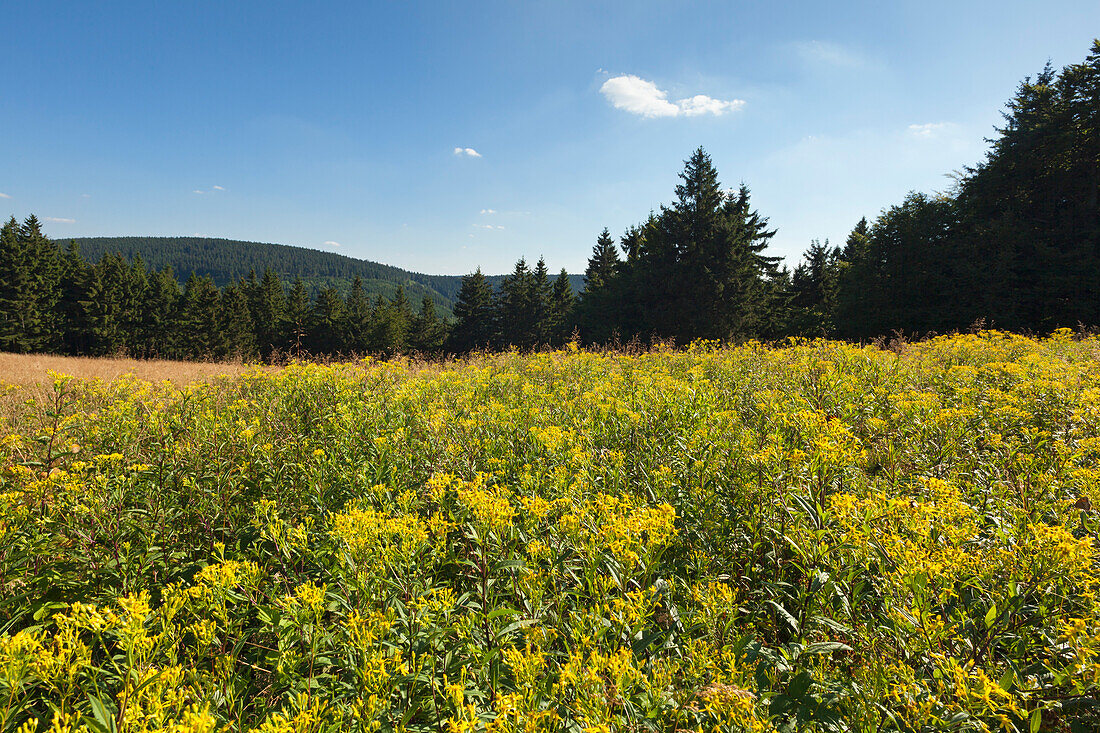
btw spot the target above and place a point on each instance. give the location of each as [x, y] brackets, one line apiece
[227, 260]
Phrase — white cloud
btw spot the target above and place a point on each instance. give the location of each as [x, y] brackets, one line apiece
[488, 211]
[198, 191]
[4, 196]
[928, 129]
[218, 188]
[701, 104]
[330, 243]
[85, 195]
[642, 97]
[469, 152]
[489, 226]
[59, 219]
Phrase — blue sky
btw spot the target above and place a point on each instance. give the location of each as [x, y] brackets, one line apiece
[349, 126]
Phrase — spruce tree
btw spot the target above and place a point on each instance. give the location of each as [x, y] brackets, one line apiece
[162, 303]
[73, 322]
[517, 305]
[325, 331]
[428, 330]
[16, 291]
[269, 314]
[814, 289]
[561, 313]
[43, 259]
[355, 320]
[475, 315]
[599, 312]
[297, 318]
[235, 324]
[197, 326]
[542, 328]
[106, 306]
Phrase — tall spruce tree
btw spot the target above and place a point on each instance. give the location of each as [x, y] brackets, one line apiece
[269, 314]
[235, 324]
[428, 330]
[814, 289]
[561, 314]
[297, 318]
[197, 327]
[517, 304]
[325, 332]
[599, 312]
[355, 319]
[475, 315]
[16, 291]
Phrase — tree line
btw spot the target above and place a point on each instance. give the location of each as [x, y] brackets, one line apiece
[54, 300]
[1015, 245]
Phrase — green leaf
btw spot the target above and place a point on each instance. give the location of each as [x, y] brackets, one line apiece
[104, 720]
[501, 612]
[1036, 721]
[991, 616]
[800, 684]
[826, 647]
[786, 615]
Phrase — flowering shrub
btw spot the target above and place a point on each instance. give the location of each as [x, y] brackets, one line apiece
[814, 537]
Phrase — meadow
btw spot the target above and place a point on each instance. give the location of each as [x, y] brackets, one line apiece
[813, 537]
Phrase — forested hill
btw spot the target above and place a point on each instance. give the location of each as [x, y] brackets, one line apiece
[227, 260]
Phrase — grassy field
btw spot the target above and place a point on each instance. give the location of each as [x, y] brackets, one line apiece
[34, 369]
[819, 537]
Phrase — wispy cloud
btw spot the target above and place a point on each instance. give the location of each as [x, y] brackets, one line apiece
[198, 191]
[828, 53]
[330, 243]
[468, 152]
[929, 129]
[85, 195]
[489, 226]
[642, 97]
[218, 188]
[4, 196]
[488, 211]
[212, 190]
[59, 220]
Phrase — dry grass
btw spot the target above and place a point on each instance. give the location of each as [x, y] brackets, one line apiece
[28, 370]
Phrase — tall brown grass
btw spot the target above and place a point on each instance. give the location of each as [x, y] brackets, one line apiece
[28, 370]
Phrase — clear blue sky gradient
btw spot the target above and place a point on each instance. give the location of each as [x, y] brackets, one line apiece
[337, 122]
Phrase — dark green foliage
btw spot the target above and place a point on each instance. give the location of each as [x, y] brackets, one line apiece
[1016, 246]
[696, 269]
[235, 324]
[475, 315]
[813, 291]
[428, 331]
[600, 304]
[519, 306]
[561, 316]
[296, 319]
[15, 290]
[198, 328]
[325, 323]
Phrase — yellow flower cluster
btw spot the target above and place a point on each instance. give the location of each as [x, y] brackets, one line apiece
[807, 536]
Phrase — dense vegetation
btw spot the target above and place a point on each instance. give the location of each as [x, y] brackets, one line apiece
[1016, 245]
[815, 538]
[226, 261]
